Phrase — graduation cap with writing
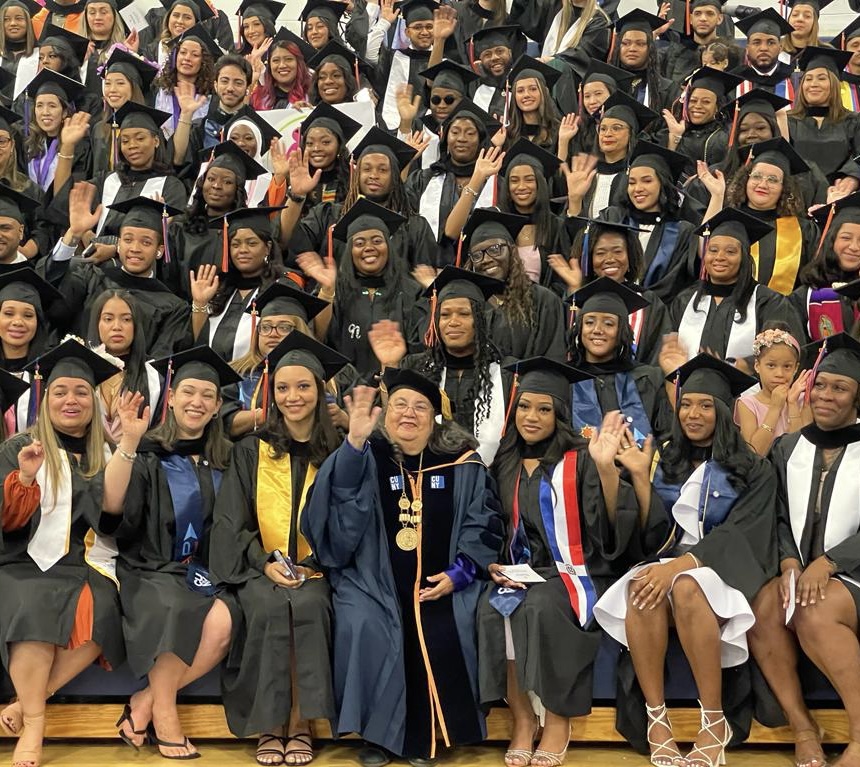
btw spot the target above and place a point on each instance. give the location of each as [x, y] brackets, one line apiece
[449, 74]
[11, 389]
[491, 223]
[229, 155]
[197, 34]
[731, 222]
[72, 359]
[300, 349]
[776, 151]
[838, 354]
[543, 375]
[404, 378]
[267, 131]
[609, 296]
[49, 82]
[332, 119]
[453, 282]
[832, 59]
[286, 36]
[849, 33]
[816, 5]
[621, 106]
[377, 141]
[137, 69]
[525, 67]
[721, 84]
[16, 205]
[26, 286]
[200, 8]
[67, 42]
[765, 22]
[525, 152]
[330, 10]
[705, 374]
[758, 101]
[600, 72]
[417, 10]
[640, 21]
[266, 9]
[335, 52]
[365, 215]
[200, 363]
[659, 158]
[284, 298]
[508, 36]
[134, 115]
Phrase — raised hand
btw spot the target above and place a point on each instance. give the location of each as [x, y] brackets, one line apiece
[637, 460]
[569, 127]
[798, 387]
[676, 128]
[424, 274]
[499, 138]
[408, 102]
[419, 141]
[75, 129]
[278, 158]
[579, 175]
[363, 415]
[30, 460]
[444, 22]
[488, 164]
[134, 422]
[204, 284]
[673, 353]
[604, 446]
[779, 395]
[714, 182]
[81, 216]
[568, 270]
[301, 181]
[387, 343]
[187, 97]
[321, 271]
[132, 42]
[386, 10]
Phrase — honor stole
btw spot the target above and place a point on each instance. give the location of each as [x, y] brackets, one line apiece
[787, 254]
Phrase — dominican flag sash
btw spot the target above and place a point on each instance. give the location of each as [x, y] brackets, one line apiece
[559, 508]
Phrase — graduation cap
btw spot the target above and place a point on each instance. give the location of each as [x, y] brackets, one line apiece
[47, 81]
[718, 4]
[364, 215]
[8, 118]
[543, 375]
[621, 106]
[136, 68]
[72, 359]
[509, 36]
[134, 115]
[417, 10]
[300, 349]
[377, 141]
[815, 57]
[197, 34]
[146, 213]
[266, 9]
[845, 210]
[231, 156]
[200, 8]
[765, 22]
[758, 101]
[816, 5]
[850, 32]
[403, 378]
[606, 295]
[258, 219]
[335, 52]
[705, 374]
[469, 109]
[602, 224]
[11, 389]
[284, 35]
[332, 119]
[449, 74]
[600, 72]
[526, 66]
[659, 158]
[640, 21]
[66, 41]
[330, 10]
[15, 204]
[30, 6]
[117, 5]
[731, 222]
[26, 286]
[284, 298]
[453, 282]
[267, 132]
[776, 151]
[491, 223]
[525, 152]
[200, 363]
[838, 354]
[714, 80]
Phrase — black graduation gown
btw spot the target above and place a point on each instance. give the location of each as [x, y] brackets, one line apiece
[667, 91]
[38, 606]
[831, 145]
[256, 680]
[535, 18]
[204, 134]
[192, 245]
[414, 239]
[677, 9]
[416, 185]
[219, 28]
[554, 655]
[418, 62]
[708, 142]
[165, 317]
[380, 677]
[542, 338]
[618, 186]
[496, 104]
[765, 82]
[161, 613]
[224, 337]
[471, 18]
[680, 58]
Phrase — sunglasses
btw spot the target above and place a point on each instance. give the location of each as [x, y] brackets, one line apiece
[448, 100]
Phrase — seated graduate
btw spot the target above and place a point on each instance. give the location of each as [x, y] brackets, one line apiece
[404, 519]
[321, 18]
[337, 76]
[762, 66]
[285, 80]
[167, 23]
[817, 471]
[727, 308]
[17, 186]
[532, 112]
[59, 608]
[163, 314]
[563, 28]
[569, 517]
[278, 673]
[162, 492]
[602, 345]
[721, 497]
[495, 48]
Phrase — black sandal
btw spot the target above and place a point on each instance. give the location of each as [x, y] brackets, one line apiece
[305, 739]
[126, 717]
[158, 743]
[262, 742]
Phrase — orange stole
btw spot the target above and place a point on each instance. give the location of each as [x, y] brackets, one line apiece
[789, 248]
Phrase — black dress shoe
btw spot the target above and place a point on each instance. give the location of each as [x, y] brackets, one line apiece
[373, 756]
[420, 762]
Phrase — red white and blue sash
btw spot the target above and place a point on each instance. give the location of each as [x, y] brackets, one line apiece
[784, 88]
[559, 508]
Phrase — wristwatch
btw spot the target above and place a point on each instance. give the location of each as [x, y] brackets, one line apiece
[297, 198]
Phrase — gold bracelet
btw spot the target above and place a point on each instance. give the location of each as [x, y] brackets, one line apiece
[471, 191]
[326, 297]
[696, 561]
[766, 427]
[65, 156]
[195, 309]
[793, 417]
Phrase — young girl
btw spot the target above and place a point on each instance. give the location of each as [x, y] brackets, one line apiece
[776, 409]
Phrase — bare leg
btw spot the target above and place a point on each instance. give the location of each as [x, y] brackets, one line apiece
[30, 667]
[298, 748]
[554, 740]
[524, 726]
[774, 648]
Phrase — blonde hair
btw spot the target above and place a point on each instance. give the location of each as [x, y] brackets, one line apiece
[789, 47]
[29, 40]
[117, 33]
[44, 431]
[588, 12]
[836, 111]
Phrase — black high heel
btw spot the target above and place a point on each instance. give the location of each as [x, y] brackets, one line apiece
[154, 740]
[126, 717]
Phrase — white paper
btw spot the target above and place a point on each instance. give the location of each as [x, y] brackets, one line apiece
[522, 574]
[792, 593]
[134, 16]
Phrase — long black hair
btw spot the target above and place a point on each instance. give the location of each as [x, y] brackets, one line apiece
[743, 288]
[623, 344]
[669, 200]
[824, 269]
[635, 256]
[395, 275]
[273, 270]
[542, 217]
[652, 72]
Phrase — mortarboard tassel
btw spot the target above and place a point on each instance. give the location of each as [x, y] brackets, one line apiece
[706, 236]
[458, 260]
[687, 18]
[472, 58]
[329, 259]
[253, 317]
[514, 384]
[37, 395]
[164, 222]
[168, 382]
[431, 337]
[265, 380]
[826, 228]
[811, 382]
[584, 259]
[612, 41]
[734, 131]
[225, 247]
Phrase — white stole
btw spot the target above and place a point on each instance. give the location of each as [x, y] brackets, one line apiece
[552, 45]
[153, 383]
[112, 185]
[741, 336]
[489, 431]
[686, 509]
[484, 97]
[22, 406]
[242, 339]
[428, 206]
[602, 192]
[397, 75]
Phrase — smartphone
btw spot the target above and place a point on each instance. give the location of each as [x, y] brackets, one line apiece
[287, 564]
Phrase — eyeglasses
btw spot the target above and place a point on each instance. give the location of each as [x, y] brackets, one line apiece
[282, 328]
[604, 129]
[769, 180]
[421, 27]
[400, 406]
[493, 251]
[4, 142]
[447, 100]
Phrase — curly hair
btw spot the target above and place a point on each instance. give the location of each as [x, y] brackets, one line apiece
[824, 270]
[790, 203]
[732, 160]
[722, 50]
[263, 97]
[836, 111]
[204, 82]
[549, 118]
[349, 79]
[398, 200]
[518, 300]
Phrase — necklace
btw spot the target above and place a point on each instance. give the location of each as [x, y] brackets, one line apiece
[410, 511]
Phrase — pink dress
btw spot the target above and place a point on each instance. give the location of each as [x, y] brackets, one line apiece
[760, 410]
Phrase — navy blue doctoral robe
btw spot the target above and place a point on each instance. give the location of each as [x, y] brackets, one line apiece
[344, 525]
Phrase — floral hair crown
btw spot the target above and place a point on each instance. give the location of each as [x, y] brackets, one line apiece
[773, 336]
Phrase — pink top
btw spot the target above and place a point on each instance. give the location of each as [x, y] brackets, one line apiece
[760, 409]
[530, 256]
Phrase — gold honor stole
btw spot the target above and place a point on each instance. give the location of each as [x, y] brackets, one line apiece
[789, 248]
[275, 502]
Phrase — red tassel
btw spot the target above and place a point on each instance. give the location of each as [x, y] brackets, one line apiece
[459, 257]
[612, 42]
[431, 337]
[266, 386]
[687, 18]
[357, 74]
[811, 382]
[514, 384]
[826, 228]
[330, 242]
[734, 131]
[677, 390]
[37, 380]
[168, 382]
[164, 235]
[472, 58]
[705, 237]
[225, 248]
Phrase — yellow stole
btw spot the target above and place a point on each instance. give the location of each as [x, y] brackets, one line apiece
[789, 248]
[275, 502]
